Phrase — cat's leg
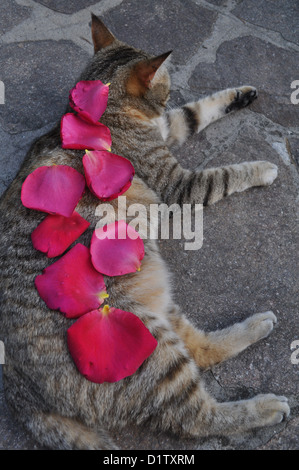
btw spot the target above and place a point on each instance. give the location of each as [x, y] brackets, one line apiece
[184, 404]
[179, 402]
[210, 185]
[241, 416]
[173, 184]
[179, 123]
[172, 396]
[63, 433]
[211, 348]
[176, 400]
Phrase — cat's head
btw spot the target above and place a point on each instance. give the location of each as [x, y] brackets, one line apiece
[136, 77]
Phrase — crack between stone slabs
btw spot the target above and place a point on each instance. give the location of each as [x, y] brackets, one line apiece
[215, 150]
[48, 8]
[38, 13]
[254, 25]
[276, 433]
[247, 24]
[184, 72]
[289, 150]
[258, 119]
[266, 126]
[204, 4]
[75, 41]
[260, 32]
[33, 4]
[26, 3]
[220, 9]
[46, 128]
[271, 132]
[51, 29]
[216, 380]
[274, 436]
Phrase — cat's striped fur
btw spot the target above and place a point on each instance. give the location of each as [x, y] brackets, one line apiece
[42, 386]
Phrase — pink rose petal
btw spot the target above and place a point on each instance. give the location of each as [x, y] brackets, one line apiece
[107, 175]
[56, 233]
[71, 284]
[108, 345]
[53, 189]
[89, 99]
[116, 249]
[79, 134]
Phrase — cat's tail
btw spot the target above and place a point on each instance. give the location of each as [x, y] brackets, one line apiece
[59, 432]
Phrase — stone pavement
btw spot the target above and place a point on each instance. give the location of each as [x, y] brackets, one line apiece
[249, 259]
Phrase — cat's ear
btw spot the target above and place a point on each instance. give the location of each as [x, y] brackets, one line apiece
[101, 35]
[143, 73]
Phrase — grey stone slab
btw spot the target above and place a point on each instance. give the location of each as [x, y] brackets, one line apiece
[68, 7]
[278, 15]
[13, 152]
[158, 27]
[11, 15]
[37, 78]
[248, 60]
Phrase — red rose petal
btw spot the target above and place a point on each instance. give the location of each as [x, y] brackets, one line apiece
[71, 284]
[107, 175]
[89, 99]
[116, 249]
[108, 345]
[56, 233]
[53, 189]
[79, 134]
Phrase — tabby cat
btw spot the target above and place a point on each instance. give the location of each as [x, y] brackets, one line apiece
[42, 386]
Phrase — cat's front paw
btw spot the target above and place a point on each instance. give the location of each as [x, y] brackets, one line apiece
[268, 173]
[241, 97]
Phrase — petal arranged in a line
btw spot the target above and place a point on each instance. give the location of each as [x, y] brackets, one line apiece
[76, 133]
[116, 249]
[109, 344]
[89, 99]
[107, 175]
[56, 233]
[71, 284]
[54, 189]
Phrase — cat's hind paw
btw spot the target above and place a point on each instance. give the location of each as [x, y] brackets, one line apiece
[259, 326]
[272, 409]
